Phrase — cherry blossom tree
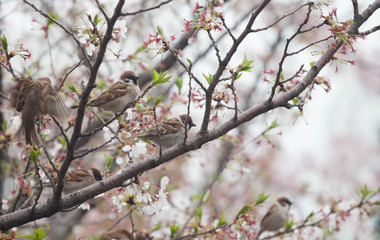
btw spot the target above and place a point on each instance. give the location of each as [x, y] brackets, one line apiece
[240, 69]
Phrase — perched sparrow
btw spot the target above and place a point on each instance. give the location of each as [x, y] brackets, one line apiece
[78, 179]
[276, 216]
[119, 95]
[169, 132]
[117, 234]
[33, 98]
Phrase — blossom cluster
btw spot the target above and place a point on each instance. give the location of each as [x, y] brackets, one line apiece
[149, 203]
[19, 50]
[90, 35]
[207, 17]
[340, 31]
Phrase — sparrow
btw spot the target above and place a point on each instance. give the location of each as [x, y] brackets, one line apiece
[77, 179]
[276, 216]
[169, 132]
[32, 99]
[119, 95]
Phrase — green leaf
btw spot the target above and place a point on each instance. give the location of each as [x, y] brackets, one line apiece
[244, 210]
[295, 100]
[150, 99]
[62, 140]
[158, 101]
[245, 65]
[312, 63]
[364, 191]
[157, 227]
[120, 119]
[4, 43]
[101, 84]
[160, 31]
[95, 238]
[196, 230]
[222, 221]
[179, 82]
[196, 197]
[173, 229]
[208, 78]
[39, 234]
[159, 78]
[206, 197]
[282, 76]
[97, 20]
[53, 16]
[236, 76]
[109, 161]
[189, 61]
[29, 236]
[72, 88]
[34, 155]
[262, 197]
[142, 48]
[274, 124]
[288, 225]
[199, 212]
[310, 215]
[4, 126]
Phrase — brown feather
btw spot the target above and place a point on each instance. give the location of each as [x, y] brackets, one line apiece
[33, 98]
[116, 90]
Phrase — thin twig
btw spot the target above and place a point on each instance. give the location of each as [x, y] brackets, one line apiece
[281, 18]
[235, 100]
[94, 148]
[95, 29]
[285, 53]
[101, 119]
[227, 28]
[146, 9]
[68, 73]
[48, 156]
[310, 45]
[372, 30]
[221, 105]
[40, 183]
[158, 131]
[3, 96]
[61, 128]
[121, 219]
[20, 190]
[175, 54]
[102, 10]
[221, 68]
[294, 76]
[215, 46]
[188, 105]
[93, 131]
[10, 70]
